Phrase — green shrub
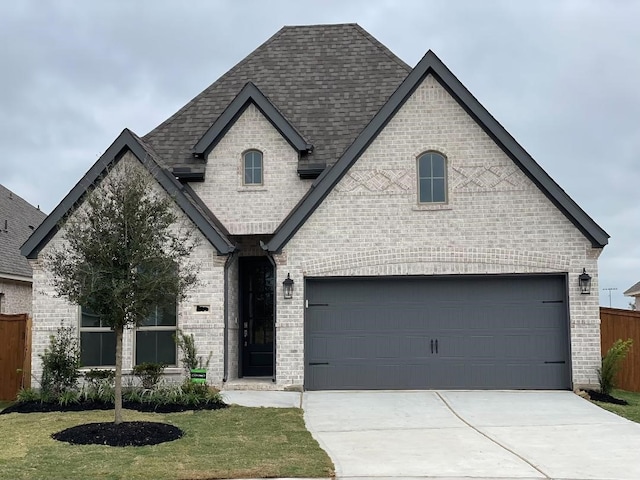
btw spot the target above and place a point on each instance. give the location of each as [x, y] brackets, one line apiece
[190, 359]
[27, 395]
[99, 385]
[60, 363]
[611, 364]
[149, 373]
[68, 397]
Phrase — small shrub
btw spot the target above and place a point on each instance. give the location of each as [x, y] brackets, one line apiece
[60, 363]
[27, 395]
[99, 385]
[190, 359]
[149, 373]
[68, 397]
[611, 364]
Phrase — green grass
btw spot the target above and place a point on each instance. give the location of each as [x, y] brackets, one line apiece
[229, 443]
[631, 411]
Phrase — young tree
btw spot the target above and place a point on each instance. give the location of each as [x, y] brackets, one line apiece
[124, 252]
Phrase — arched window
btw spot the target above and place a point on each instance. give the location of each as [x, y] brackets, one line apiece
[432, 178]
[252, 161]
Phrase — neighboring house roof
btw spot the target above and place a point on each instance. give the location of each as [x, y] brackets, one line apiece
[633, 291]
[328, 81]
[128, 142]
[431, 64]
[18, 220]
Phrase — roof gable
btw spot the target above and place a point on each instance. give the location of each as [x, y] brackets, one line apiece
[326, 80]
[18, 219]
[250, 94]
[633, 291]
[431, 64]
[127, 141]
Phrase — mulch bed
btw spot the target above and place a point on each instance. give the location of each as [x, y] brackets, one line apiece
[44, 407]
[603, 397]
[125, 434]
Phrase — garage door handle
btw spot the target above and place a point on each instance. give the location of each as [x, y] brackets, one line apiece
[318, 363]
[432, 345]
[436, 345]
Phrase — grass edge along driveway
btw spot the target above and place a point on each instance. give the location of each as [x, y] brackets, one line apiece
[230, 443]
[631, 411]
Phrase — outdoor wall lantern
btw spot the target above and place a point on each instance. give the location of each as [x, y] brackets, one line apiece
[585, 282]
[288, 287]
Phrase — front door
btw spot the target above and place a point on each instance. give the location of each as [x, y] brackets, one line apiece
[256, 312]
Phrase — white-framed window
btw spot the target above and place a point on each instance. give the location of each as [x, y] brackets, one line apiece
[155, 336]
[252, 167]
[97, 341]
[432, 178]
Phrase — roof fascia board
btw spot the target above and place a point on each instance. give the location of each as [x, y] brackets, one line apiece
[16, 278]
[125, 142]
[250, 94]
[431, 64]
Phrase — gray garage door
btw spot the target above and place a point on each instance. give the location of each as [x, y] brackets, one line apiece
[466, 332]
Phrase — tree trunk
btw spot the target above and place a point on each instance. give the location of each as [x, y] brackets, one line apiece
[118, 379]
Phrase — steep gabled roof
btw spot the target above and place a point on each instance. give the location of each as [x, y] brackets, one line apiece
[18, 220]
[250, 94]
[127, 141]
[431, 64]
[633, 291]
[327, 81]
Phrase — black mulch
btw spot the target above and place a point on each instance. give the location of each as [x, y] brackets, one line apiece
[603, 397]
[125, 434]
[44, 407]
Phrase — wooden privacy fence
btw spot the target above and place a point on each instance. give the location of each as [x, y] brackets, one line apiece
[15, 354]
[615, 324]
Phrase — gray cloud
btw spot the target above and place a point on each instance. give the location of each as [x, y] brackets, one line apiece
[561, 76]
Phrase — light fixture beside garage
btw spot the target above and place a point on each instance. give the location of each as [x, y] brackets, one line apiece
[585, 282]
[287, 286]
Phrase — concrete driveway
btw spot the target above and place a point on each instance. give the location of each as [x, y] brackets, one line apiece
[470, 434]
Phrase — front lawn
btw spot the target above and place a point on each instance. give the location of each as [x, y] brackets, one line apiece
[631, 411]
[230, 443]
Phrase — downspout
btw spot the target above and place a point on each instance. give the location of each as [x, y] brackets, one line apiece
[227, 264]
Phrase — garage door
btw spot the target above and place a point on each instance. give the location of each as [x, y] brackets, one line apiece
[463, 332]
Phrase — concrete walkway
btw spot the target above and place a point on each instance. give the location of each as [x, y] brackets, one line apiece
[480, 435]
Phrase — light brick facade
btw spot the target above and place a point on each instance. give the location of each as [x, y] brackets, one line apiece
[496, 221]
[251, 209]
[15, 296]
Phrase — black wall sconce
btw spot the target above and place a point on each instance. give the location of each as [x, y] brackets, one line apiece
[287, 286]
[585, 282]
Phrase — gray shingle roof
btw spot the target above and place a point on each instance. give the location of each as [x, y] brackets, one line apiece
[633, 291]
[328, 81]
[20, 218]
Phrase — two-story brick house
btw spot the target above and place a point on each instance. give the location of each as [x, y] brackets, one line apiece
[420, 245]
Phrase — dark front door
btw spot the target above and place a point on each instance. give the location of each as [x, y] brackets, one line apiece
[256, 310]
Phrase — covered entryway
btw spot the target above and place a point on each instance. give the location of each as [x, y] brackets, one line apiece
[454, 332]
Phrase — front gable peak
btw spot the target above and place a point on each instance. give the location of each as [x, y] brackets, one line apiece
[250, 94]
[127, 141]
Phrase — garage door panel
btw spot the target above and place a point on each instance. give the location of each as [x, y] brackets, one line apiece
[430, 332]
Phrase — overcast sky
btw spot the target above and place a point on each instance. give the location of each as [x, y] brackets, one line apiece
[563, 77]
